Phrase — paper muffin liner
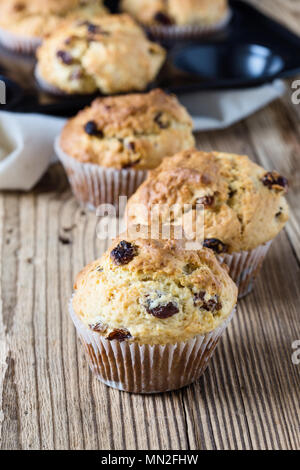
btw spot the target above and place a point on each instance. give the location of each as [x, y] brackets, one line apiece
[175, 32]
[93, 185]
[45, 86]
[144, 368]
[18, 43]
[245, 266]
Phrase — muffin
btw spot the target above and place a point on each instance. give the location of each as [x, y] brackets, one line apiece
[244, 205]
[24, 23]
[149, 313]
[110, 54]
[108, 147]
[179, 18]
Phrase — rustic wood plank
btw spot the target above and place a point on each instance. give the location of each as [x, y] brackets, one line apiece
[284, 11]
[260, 350]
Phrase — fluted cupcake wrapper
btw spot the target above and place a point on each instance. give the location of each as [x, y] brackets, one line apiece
[175, 32]
[143, 368]
[93, 185]
[18, 43]
[245, 266]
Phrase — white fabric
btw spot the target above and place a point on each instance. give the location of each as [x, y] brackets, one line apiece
[26, 140]
[220, 109]
[26, 148]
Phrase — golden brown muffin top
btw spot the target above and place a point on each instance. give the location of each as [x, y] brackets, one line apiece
[27, 7]
[244, 205]
[135, 130]
[153, 292]
[176, 12]
[37, 18]
[110, 53]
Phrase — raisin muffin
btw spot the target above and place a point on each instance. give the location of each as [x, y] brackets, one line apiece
[150, 313]
[110, 54]
[173, 17]
[109, 146]
[244, 205]
[24, 23]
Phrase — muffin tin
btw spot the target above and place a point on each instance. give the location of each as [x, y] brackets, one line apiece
[251, 50]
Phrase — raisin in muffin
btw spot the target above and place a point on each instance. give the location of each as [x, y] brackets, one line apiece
[244, 205]
[151, 301]
[135, 130]
[110, 54]
[24, 23]
[126, 135]
[174, 16]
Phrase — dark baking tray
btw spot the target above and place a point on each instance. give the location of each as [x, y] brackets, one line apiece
[253, 49]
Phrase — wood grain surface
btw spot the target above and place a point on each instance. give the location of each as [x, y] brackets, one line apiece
[249, 396]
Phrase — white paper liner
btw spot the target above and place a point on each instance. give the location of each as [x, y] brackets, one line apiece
[93, 185]
[175, 32]
[245, 266]
[19, 43]
[45, 86]
[143, 368]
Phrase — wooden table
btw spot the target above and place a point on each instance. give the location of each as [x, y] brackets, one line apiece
[249, 396]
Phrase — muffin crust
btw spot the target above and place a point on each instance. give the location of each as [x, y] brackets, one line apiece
[36, 18]
[176, 12]
[244, 205]
[153, 292]
[132, 131]
[111, 54]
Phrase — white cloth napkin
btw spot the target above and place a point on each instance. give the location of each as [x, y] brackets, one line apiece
[26, 140]
[220, 109]
[26, 148]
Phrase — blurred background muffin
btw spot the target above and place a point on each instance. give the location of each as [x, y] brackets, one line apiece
[110, 54]
[244, 205]
[108, 147]
[176, 17]
[156, 309]
[24, 23]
